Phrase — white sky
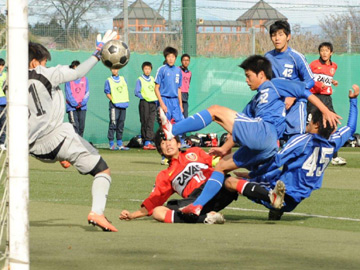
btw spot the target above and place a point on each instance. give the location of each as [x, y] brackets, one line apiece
[304, 12]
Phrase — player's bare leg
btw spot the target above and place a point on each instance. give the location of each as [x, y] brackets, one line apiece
[219, 114]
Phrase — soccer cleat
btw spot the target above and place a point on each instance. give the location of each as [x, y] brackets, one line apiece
[114, 147]
[338, 161]
[101, 221]
[275, 214]
[166, 125]
[149, 147]
[66, 164]
[123, 148]
[2, 147]
[191, 209]
[214, 218]
[277, 195]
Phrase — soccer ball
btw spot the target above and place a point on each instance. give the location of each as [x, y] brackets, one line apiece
[115, 54]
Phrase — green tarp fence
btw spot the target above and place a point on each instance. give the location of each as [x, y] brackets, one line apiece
[214, 81]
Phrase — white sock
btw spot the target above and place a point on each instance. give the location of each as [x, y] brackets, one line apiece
[100, 190]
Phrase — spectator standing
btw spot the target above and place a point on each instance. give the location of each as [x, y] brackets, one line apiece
[145, 91]
[186, 79]
[77, 97]
[116, 90]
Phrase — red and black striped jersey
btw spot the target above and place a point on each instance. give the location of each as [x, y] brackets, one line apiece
[186, 173]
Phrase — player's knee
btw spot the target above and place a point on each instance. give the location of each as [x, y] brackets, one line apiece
[100, 167]
[214, 109]
[159, 213]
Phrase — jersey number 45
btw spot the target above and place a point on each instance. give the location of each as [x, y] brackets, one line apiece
[315, 164]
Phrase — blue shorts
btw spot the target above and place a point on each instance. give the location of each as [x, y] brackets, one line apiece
[257, 139]
[296, 118]
[174, 111]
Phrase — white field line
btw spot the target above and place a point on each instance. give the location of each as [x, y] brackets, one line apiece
[230, 208]
[295, 214]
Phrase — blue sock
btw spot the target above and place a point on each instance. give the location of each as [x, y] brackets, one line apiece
[111, 143]
[147, 143]
[119, 142]
[193, 123]
[212, 187]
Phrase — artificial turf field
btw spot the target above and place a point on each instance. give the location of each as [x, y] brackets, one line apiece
[323, 232]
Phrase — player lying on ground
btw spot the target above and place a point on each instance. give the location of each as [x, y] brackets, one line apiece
[52, 140]
[257, 129]
[303, 160]
[186, 175]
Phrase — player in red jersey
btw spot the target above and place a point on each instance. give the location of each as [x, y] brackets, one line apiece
[324, 70]
[186, 175]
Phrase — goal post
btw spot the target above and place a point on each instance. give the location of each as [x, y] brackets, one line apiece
[18, 154]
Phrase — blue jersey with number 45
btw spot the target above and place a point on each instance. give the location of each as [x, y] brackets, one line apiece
[304, 159]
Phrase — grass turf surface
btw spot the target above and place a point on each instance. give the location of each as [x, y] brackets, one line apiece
[61, 239]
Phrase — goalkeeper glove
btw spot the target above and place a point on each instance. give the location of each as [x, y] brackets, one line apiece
[109, 35]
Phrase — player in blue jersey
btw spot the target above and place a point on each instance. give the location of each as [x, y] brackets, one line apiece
[257, 129]
[289, 64]
[303, 160]
[168, 81]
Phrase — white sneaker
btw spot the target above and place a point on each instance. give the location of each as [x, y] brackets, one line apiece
[2, 147]
[214, 218]
[277, 195]
[338, 161]
[166, 125]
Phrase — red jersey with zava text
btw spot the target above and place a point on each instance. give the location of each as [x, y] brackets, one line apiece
[323, 74]
[189, 171]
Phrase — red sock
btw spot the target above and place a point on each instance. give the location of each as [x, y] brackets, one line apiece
[241, 185]
[169, 216]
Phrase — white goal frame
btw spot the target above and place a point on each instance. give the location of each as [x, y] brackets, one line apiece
[17, 132]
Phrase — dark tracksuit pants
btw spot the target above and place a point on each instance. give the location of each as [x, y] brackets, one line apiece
[77, 119]
[117, 121]
[147, 111]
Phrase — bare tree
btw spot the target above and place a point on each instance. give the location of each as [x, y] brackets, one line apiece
[335, 26]
[71, 14]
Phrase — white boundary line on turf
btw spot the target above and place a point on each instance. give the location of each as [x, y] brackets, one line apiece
[230, 208]
[295, 214]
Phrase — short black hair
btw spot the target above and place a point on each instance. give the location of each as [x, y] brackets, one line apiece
[74, 63]
[159, 137]
[185, 55]
[2, 62]
[146, 64]
[326, 44]
[280, 25]
[38, 52]
[257, 63]
[170, 50]
[317, 117]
